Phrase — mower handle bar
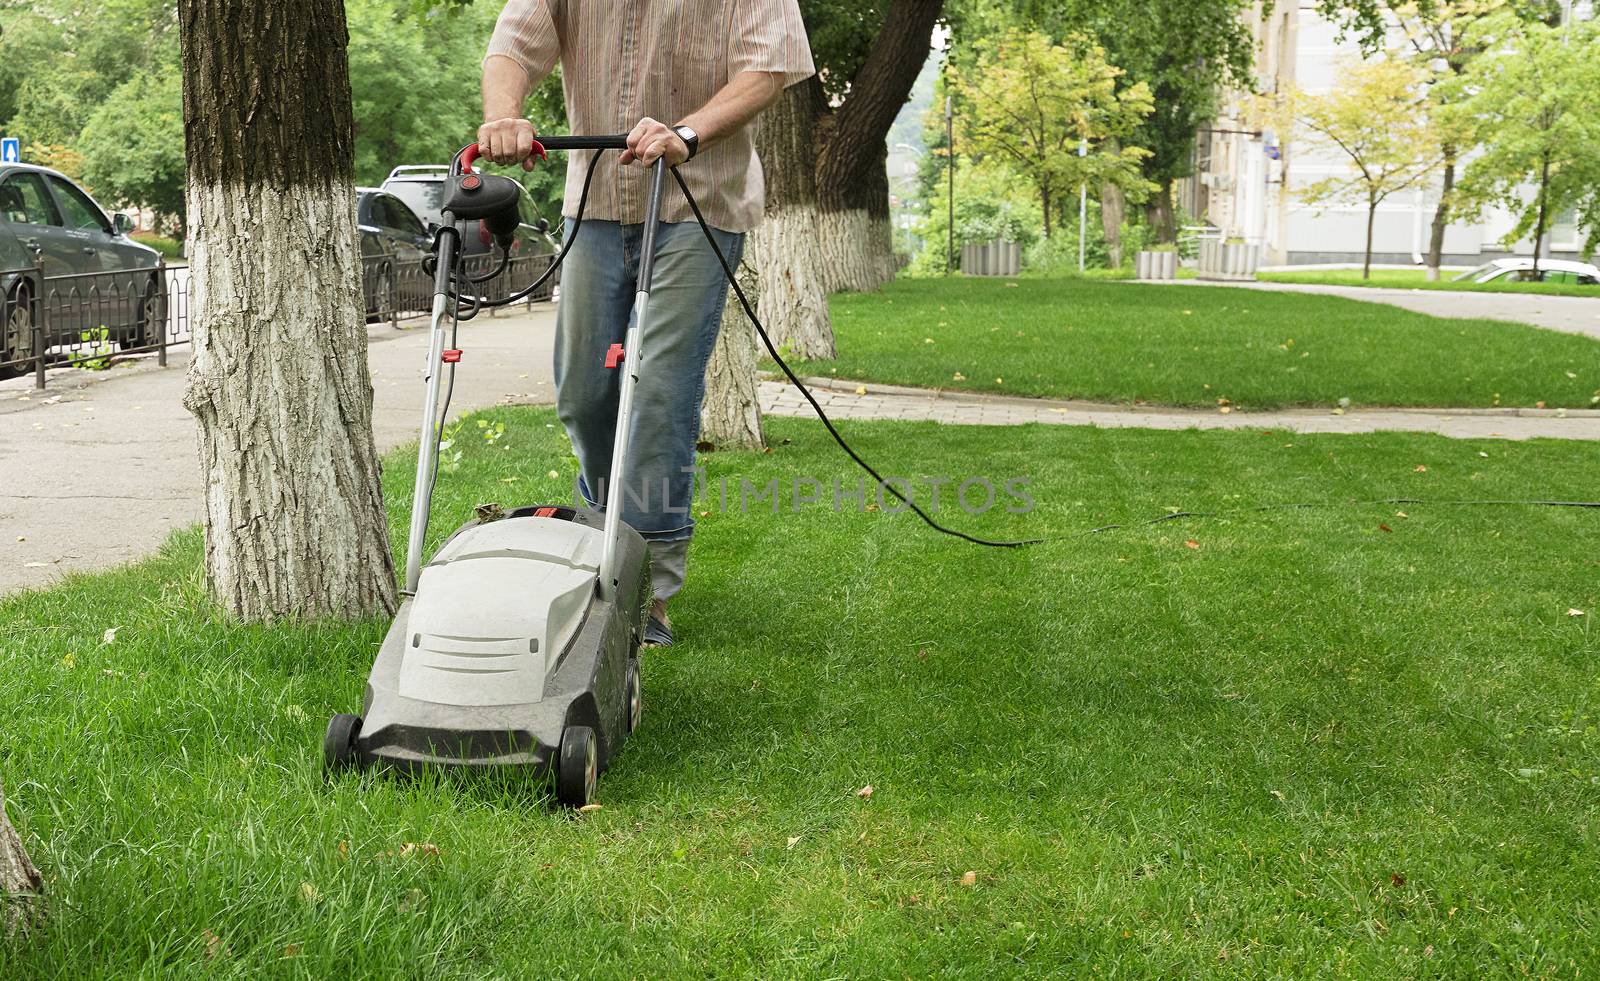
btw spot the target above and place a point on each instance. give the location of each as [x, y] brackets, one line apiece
[469, 155]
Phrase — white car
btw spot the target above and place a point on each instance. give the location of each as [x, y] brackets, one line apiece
[1520, 270]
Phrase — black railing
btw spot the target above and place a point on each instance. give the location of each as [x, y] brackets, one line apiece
[87, 320]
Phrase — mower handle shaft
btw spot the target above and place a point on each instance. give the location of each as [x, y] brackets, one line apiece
[469, 155]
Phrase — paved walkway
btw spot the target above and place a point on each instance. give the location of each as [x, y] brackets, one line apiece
[1568, 314]
[101, 467]
[841, 400]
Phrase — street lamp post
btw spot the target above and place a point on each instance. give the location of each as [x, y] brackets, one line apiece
[1083, 203]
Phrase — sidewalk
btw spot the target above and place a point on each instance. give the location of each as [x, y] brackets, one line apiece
[1568, 314]
[101, 467]
[839, 399]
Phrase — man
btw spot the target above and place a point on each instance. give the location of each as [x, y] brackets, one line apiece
[683, 78]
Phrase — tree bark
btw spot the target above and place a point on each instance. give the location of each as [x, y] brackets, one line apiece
[730, 417]
[1113, 206]
[1544, 203]
[1159, 215]
[852, 183]
[786, 250]
[1044, 207]
[1366, 259]
[295, 524]
[20, 882]
[1441, 215]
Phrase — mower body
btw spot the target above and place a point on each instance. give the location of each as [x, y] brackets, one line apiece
[507, 644]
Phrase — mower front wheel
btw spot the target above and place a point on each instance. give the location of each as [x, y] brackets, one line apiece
[339, 744]
[578, 769]
[635, 696]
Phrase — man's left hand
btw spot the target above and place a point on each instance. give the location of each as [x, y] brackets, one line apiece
[651, 139]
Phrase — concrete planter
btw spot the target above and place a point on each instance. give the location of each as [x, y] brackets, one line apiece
[1156, 265]
[1228, 260]
[995, 258]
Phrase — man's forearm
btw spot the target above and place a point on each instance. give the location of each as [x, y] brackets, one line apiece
[505, 89]
[734, 105]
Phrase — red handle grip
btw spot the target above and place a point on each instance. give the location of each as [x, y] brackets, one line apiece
[472, 153]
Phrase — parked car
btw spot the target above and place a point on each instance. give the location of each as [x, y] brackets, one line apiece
[394, 242]
[422, 187]
[64, 260]
[1519, 269]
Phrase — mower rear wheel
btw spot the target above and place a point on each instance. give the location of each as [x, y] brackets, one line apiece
[339, 743]
[635, 696]
[578, 769]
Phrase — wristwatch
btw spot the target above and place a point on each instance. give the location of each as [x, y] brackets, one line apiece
[690, 139]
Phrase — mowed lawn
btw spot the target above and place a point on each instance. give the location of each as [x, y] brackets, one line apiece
[1357, 740]
[1417, 279]
[1194, 346]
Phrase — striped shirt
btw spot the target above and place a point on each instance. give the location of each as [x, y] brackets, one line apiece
[623, 60]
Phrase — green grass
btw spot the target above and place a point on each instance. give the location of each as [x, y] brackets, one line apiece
[1309, 746]
[1417, 279]
[170, 248]
[1192, 346]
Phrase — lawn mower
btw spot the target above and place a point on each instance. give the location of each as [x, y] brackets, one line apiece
[517, 644]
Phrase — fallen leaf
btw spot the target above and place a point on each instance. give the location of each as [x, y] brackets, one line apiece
[1420, 469]
[969, 879]
[1384, 527]
[553, 475]
[68, 661]
[1539, 404]
[1483, 454]
[1191, 543]
[589, 808]
[861, 389]
[1397, 880]
[309, 893]
[1575, 612]
[794, 841]
[214, 944]
[428, 848]
[865, 792]
[1401, 514]
[291, 950]
[344, 849]
[110, 636]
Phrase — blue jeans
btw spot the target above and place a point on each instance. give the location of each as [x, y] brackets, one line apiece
[598, 282]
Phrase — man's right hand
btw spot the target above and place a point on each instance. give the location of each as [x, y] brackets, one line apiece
[507, 141]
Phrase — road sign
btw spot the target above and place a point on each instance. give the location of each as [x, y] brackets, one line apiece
[10, 150]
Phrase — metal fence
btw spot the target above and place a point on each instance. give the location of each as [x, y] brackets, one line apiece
[87, 320]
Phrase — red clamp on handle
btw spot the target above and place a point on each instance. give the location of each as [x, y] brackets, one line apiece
[470, 155]
[615, 355]
[450, 355]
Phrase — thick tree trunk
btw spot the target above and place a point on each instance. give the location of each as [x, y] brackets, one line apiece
[852, 183]
[20, 882]
[787, 249]
[1441, 215]
[295, 524]
[1158, 213]
[1113, 206]
[730, 418]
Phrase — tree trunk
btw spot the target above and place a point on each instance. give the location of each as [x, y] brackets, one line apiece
[787, 249]
[1113, 206]
[1544, 204]
[852, 182]
[20, 882]
[730, 418]
[1366, 259]
[278, 383]
[1441, 215]
[1044, 207]
[1158, 213]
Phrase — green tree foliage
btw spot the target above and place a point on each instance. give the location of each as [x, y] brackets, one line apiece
[1028, 102]
[1534, 101]
[1373, 117]
[132, 146]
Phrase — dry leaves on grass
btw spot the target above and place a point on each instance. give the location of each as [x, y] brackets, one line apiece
[865, 792]
[214, 944]
[1191, 543]
[969, 878]
[1575, 612]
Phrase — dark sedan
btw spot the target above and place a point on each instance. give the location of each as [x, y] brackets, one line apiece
[64, 261]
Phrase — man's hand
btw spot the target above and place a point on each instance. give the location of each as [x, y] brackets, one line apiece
[507, 141]
[651, 139]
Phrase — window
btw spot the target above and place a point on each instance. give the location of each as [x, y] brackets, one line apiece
[80, 211]
[424, 197]
[400, 217]
[1559, 276]
[24, 200]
